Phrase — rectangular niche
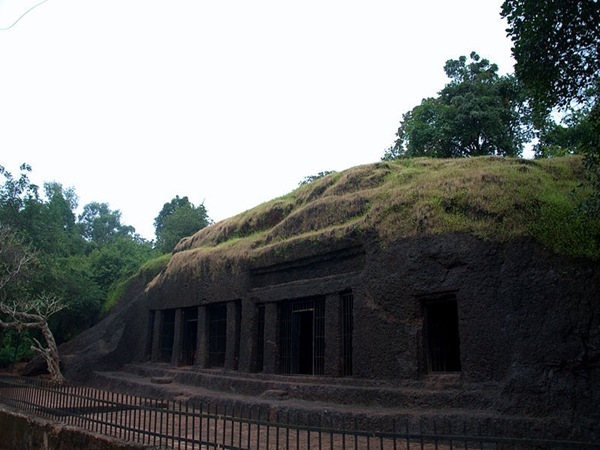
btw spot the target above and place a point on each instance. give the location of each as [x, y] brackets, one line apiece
[442, 334]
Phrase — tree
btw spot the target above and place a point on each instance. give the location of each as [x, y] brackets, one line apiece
[477, 113]
[21, 311]
[15, 195]
[177, 219]
[100, 224]
[557, 53]
[556, 48]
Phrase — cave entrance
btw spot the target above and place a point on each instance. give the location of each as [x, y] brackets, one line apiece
[302, 337]
[441, 326]
[217, 335]
[167, 335]
[190, 336]
[302, 341]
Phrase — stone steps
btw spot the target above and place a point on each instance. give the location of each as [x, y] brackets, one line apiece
[439, 392]
[422, 405]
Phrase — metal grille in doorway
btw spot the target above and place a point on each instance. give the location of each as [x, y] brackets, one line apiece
[302, 337]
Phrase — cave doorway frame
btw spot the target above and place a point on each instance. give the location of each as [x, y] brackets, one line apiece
[302, 337]
[190, 336]
[442, 337]
[217, 335]
[166, 335]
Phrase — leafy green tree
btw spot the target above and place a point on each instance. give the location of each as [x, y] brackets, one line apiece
[15, 195]
[557, 53]
[477, 113]
[100, 224]
[556, 48]
[177, 219]
[76, 260]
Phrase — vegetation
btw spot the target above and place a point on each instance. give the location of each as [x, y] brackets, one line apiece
[491, 198]
[477, 113]
[85, 261]
[19, 310]
[557, 53]
[177, 219]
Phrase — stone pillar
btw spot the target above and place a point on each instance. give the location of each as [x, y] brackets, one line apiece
[202, 344]
[232, 349]
[248, 337]
[156, 336]
[333, 335]
[271, 364]
[177, 338]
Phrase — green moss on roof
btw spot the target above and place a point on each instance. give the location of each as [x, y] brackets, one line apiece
[489, 197]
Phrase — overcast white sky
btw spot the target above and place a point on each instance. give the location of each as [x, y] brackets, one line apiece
[231, 103]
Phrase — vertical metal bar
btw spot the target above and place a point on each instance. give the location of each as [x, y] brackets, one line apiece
[277, 430]
[225, 425]
[394, 429]
[268, 431]
[172, 412]
[240, 427]
[297, 430]
[343, 433]
[155, 421]
[287, 431]
[122, 422]
[320, 431]
[127, 416]
[216, 424]
[308, 430]
[69, 406]
[160, 425]
[200, 424]
[331, 432]
[355, 432]
[249, 425]
[258, 429]
[179, 416]
[186, 415]
[193, 418]
[209, 416]
[232, 421]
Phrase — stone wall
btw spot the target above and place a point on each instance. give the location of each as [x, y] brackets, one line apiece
[23, 432]
[511, 319]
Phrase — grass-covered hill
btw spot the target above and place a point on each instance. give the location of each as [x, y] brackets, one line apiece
[489, 197]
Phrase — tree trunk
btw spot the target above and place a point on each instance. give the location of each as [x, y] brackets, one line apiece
[50, 354]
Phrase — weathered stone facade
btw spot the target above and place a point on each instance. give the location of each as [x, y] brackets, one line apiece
[509, 319]
[353, 287]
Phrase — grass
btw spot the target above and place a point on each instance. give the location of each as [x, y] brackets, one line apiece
[147, 272]
[491, 198]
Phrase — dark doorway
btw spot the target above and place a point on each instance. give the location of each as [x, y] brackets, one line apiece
[347, 331]
[302, 341]
[443, 344]
[190, 336]
[167, 334]
[217, 335]
[260, 342]
[302, 337]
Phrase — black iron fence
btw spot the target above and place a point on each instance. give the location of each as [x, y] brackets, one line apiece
[194, 426]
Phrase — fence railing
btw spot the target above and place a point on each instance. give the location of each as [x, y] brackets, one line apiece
[194, 426]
